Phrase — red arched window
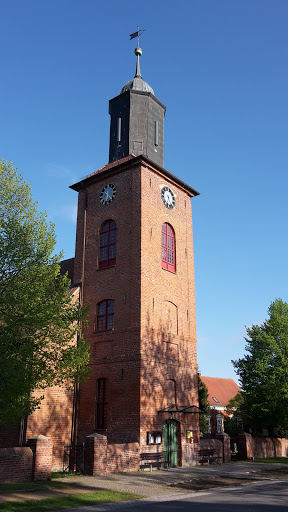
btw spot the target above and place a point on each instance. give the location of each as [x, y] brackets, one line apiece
[108, 244]
[105, 315]
[168, 248]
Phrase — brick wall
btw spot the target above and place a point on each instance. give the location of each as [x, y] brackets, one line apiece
[261, 447]
[168, 319]
[54, 420]
[15, 464]
[32, 462]
[115, 355]
[122, 457]
[212, 444]
[154, 337]
[41, 447]
[101, 457]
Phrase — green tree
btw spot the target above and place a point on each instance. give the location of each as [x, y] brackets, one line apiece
[263, 372]
[40, 320]
[233, 422]
[203, 405]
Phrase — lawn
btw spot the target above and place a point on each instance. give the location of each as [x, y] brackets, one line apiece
[32, 486]
[273, 460]
[64, 502]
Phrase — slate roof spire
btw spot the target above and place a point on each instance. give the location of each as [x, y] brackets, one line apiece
[138, 53]
[137, 119]
[137, 84]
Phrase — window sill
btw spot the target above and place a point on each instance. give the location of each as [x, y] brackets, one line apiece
[106, 268]
[167, 270]
[105, 331]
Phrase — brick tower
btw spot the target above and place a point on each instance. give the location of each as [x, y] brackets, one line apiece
[134, 260]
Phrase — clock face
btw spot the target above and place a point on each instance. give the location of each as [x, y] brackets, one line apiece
[107, 194]
[168, 197]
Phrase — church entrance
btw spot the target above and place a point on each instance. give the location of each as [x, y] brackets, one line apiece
[170, 441]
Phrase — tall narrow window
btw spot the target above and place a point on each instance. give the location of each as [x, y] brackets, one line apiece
[100, 416]
[108, 244]
[105, 315]
[168, 248]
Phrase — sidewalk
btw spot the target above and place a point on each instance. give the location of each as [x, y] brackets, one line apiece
[154, 485]
[151, 485]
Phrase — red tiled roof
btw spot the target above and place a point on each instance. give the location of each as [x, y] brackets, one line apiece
[221, 389]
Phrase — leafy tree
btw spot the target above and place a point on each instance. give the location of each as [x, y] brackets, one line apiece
[203, 405]
[40, 319]
[264, 372]
[233, 422]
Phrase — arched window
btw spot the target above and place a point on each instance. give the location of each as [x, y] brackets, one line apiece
[108, 244]
[105, 315]
[168, 248]
[100, 413]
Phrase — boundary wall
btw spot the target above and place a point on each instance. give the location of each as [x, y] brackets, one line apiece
[260, 447]
[31, 462]
[101, 457]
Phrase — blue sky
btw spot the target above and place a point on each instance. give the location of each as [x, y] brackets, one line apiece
[220, 67]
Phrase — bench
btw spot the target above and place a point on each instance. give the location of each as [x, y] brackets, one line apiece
[207, 455]
[149, 460]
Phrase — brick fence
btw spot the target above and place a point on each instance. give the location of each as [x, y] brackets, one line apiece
[101, 457]
[260, 447]
[32, 462]
[15, 464]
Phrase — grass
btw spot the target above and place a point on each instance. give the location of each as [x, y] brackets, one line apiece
[32, 486]
[273, 460]
[64, 474]
[62, 503]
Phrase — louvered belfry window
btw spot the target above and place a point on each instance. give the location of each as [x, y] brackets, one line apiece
[108, 244]
[168, 248]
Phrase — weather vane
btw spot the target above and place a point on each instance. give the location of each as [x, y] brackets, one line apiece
[137, 34]
[137, 51]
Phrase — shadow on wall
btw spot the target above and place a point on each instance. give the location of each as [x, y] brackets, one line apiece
[169, 371]
[53, 419]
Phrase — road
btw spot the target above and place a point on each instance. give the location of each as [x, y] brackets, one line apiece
[263, 496]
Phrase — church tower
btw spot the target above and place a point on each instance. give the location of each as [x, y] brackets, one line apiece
[134, 260]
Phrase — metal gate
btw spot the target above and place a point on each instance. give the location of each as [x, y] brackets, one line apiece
[73, 458]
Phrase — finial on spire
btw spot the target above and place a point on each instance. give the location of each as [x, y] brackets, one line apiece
[138, 51]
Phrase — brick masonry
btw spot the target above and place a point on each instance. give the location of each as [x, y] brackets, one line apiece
[260, 447]
[41, 447]
[225, 440]
[101, 457]
[31, 462]
[16, 464]
[212, 444]
[54, 420]
[153, 344]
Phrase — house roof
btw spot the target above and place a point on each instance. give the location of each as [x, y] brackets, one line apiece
[220, 390]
